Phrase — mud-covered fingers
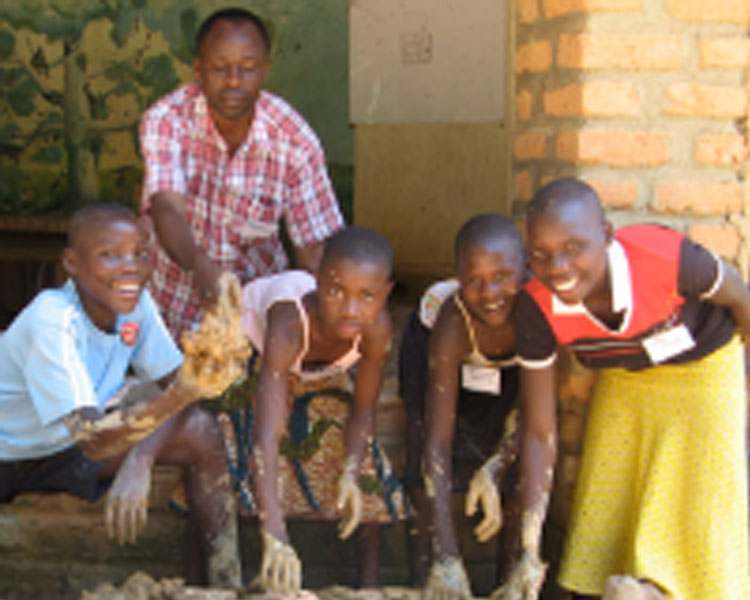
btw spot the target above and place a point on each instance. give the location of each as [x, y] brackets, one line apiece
[492, 521]
[121, 522]
[482, 491]
[281, 569]
[292, 575]
[265, 568]
[276, 571]
[350, 504]
[109, 515]
[480, 486]
[472, 500]
[140, 514]
[283, 572]
[443, 593]
[268, 574]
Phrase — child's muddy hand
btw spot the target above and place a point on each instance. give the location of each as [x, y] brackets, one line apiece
[349, 504]
[126, 508]
[447, 581]
[281, 569]
[525, 581]
[482, 490]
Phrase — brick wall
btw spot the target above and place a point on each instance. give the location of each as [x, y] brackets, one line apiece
[647, 100]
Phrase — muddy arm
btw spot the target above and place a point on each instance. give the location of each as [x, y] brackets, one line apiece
[214, 355]
[101, 436]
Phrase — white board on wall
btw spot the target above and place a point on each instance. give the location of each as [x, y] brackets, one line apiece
[427, 61]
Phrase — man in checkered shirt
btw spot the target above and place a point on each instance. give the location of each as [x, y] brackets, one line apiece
[225, 162]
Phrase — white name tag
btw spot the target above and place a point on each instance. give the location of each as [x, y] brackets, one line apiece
[669, 343]
[258, 229]
[480, 379]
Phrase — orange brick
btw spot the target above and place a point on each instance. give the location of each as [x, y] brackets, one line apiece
[615, 194]
[528, 11]
[530, 145]
[702, 11]
[524, 185]
[619, 51]
[723, 239]
[721, 149]
[535, 57]
[546, 179]
[595, 99]
[613, 147]
[524, 105]
[555, 8]
[702, 100]
[724, 52]
[699, 198]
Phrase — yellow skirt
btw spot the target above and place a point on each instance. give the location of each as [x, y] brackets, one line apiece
[662, 490]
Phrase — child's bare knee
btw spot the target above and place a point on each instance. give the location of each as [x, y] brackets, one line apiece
[201, 430]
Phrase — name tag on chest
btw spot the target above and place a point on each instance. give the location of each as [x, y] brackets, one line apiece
[481, 379]
[667, 344]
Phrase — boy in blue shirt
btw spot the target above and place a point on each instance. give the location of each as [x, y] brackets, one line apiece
[63, 363]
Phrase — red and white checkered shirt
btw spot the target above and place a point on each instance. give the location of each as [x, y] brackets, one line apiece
[233, 202]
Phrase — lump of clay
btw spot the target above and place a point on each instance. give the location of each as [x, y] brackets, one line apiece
[216, 352]
[141, 586]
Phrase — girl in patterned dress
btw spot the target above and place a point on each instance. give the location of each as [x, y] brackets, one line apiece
[303, 445]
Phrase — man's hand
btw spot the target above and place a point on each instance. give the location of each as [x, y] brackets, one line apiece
[216, 351]
[281, 569]
[525, 581]
[126, 508]
[349, 500]
[447, 581]
[482, 489]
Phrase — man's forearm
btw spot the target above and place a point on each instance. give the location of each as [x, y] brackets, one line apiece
[308, 257]
[172, 229]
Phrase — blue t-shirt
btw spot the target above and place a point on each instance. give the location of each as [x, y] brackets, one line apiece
[54, 360]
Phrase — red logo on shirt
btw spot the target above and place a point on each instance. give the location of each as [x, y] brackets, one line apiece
[129, 332]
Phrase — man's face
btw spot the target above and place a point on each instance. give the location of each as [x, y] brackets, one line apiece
[567, 251]
[351, 295]
[110, 264]
[490, 274]
[232, 66]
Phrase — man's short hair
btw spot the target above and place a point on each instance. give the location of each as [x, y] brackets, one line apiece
[96, 214]
[236, 16]
[359, 245]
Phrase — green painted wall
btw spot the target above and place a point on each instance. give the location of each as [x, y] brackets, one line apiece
[75, 75]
